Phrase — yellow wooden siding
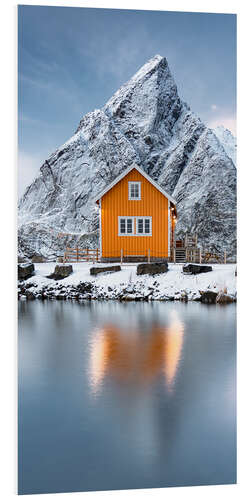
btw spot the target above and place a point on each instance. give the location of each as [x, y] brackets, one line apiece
[153, 204]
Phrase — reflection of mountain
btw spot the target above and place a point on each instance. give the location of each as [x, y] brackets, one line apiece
[136, 358]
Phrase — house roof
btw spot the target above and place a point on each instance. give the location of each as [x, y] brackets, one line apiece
[123, 174]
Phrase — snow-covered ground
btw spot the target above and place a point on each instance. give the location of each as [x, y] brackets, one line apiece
[126, 283]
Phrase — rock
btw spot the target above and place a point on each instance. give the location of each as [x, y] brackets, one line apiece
[184, 297]
[84, 287]
[61, 296]
[30, 296]
[208, 297]
[128, 297]
[235, 273]
[61, 271]
[25, 271]
[106, 269]
[38, 258]
[224, 298]
[196, 268]
[22, 260]
[30, 285]
[152, 268]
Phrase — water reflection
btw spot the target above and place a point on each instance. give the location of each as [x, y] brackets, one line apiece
[136, 357]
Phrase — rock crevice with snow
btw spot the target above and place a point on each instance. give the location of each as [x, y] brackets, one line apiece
[147, 123]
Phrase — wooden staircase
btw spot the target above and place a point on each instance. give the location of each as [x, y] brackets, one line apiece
[180, 255]
[186, 250]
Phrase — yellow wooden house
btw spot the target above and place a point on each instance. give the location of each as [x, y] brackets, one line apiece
[137, 218]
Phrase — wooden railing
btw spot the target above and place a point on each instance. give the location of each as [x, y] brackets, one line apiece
[197, 255]
[81, 255]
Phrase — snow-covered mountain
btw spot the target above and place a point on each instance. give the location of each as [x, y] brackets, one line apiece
[147, 123]
[228, 141]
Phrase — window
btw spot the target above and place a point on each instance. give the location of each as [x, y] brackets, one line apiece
[144, 226]
[125, 226]
[134, 226]
[134, 190]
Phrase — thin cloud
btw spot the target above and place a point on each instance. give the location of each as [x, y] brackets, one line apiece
[124, 54]
[228, 122]
[67, 92]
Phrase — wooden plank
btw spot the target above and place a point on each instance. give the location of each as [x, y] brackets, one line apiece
[81, 253]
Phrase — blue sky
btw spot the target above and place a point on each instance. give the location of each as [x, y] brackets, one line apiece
[71, 60]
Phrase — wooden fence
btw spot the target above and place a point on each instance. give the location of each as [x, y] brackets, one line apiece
[81, 255]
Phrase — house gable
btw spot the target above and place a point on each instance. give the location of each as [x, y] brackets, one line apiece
[120, 194]
[143, 174]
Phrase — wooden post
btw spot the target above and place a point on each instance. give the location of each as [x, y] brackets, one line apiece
[200, 255]
[77, 254]
[87, 253]
[174, 255]
[97, 255]
[121, 255]
[225, 257]
[149, 255]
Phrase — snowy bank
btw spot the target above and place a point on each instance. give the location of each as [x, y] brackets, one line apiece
[126, 285]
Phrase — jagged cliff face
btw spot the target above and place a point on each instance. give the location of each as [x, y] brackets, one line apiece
[144, 122]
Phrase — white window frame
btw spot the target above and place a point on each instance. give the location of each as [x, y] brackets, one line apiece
[150, 225]
[129, 190]
[126, 217]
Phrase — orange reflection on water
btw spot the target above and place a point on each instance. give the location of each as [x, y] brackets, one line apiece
[173, 348]
[136, 357]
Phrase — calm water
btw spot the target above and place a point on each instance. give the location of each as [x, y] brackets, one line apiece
[118, 396]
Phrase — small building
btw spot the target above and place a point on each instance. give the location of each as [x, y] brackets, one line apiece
[137, 218]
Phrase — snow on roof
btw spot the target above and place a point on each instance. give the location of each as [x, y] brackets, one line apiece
[123, 174]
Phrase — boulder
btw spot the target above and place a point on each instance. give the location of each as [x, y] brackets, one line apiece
[152, 268]
[196, 268]
[22, 260]
[224, 298]
[30, 295]
[208, 297]
[184, 297]
[25, 271]
[38, 259]
[61, 271]
[105, 269]
[84, 287]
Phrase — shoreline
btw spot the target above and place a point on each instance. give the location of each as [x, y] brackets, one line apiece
[126, 286]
